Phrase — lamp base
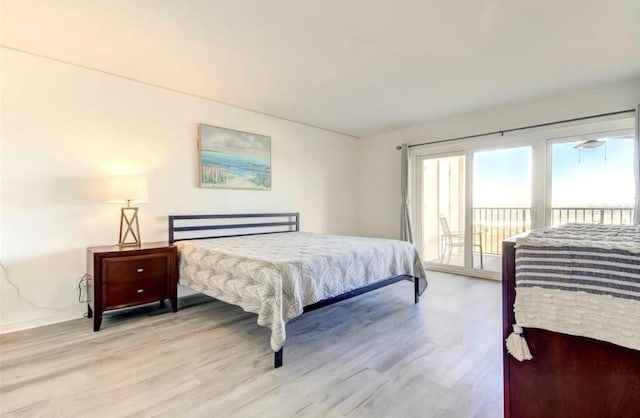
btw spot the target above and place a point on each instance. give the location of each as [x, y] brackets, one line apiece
[129, 244]
[129, 226]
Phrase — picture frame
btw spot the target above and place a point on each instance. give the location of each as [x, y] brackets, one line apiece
[232, 159]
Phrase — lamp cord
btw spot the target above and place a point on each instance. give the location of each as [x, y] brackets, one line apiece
[83, 280]
[19, 292]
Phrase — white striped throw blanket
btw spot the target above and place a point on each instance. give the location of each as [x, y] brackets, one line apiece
[578, 279]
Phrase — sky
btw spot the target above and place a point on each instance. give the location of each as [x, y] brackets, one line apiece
[502, 178]
[234, 142]
[593, 181]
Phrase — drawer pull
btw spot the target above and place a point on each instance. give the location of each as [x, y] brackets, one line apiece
[140, 290]
[140, 270]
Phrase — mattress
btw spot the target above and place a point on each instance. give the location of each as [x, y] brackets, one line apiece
[277, 275]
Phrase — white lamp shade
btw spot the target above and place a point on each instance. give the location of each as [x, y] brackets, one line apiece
[123, 189]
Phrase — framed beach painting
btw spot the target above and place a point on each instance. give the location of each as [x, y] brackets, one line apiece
[231, 159]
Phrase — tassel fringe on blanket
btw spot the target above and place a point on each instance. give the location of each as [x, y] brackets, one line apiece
[517, 345]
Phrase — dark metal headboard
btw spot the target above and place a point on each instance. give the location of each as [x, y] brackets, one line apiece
[181, 224]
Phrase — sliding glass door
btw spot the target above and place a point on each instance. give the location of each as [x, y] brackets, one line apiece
[502, 189]
[442, 210]
[471, 195]
[469, 201]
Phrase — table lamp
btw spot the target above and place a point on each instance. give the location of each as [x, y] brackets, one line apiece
[128, 189]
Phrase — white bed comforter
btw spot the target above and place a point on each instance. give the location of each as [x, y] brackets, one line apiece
[277, 275]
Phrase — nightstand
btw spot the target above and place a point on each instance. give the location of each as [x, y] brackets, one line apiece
[130, 276]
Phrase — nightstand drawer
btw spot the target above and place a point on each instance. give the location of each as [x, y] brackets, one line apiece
[127, 269]
[134, 293]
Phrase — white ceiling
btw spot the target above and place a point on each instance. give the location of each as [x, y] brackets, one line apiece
[354, 66]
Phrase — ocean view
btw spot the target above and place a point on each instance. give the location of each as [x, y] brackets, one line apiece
[233, 170]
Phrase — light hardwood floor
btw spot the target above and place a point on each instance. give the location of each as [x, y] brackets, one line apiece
[376, 355]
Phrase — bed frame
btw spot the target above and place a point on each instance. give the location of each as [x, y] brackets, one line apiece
[569, 376]
[181, 228]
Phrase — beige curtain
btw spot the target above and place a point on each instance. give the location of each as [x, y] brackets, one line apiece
[405, 221]
[636, 212]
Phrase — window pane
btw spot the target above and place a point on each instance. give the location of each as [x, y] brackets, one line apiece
[593, 184]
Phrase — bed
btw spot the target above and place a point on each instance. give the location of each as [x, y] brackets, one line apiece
[573, 294]
[270, 268]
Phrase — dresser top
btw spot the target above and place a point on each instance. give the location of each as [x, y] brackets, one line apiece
[119, 249]
[512, 239]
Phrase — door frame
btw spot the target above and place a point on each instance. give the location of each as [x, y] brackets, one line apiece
[417, 162]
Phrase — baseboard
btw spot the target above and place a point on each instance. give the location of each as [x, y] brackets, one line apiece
[65, 315]
[60, 316]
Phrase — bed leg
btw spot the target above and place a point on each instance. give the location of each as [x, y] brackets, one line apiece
[416, 290]
[277, 358]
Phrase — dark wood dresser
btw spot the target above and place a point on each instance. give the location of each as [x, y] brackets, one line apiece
[128, 276]
[569, 376]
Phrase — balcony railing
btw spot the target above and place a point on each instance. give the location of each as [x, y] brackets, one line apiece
[603, 215]
[492, 225]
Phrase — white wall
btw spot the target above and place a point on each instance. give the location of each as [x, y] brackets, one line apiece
[64, 129]
[379, 162]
